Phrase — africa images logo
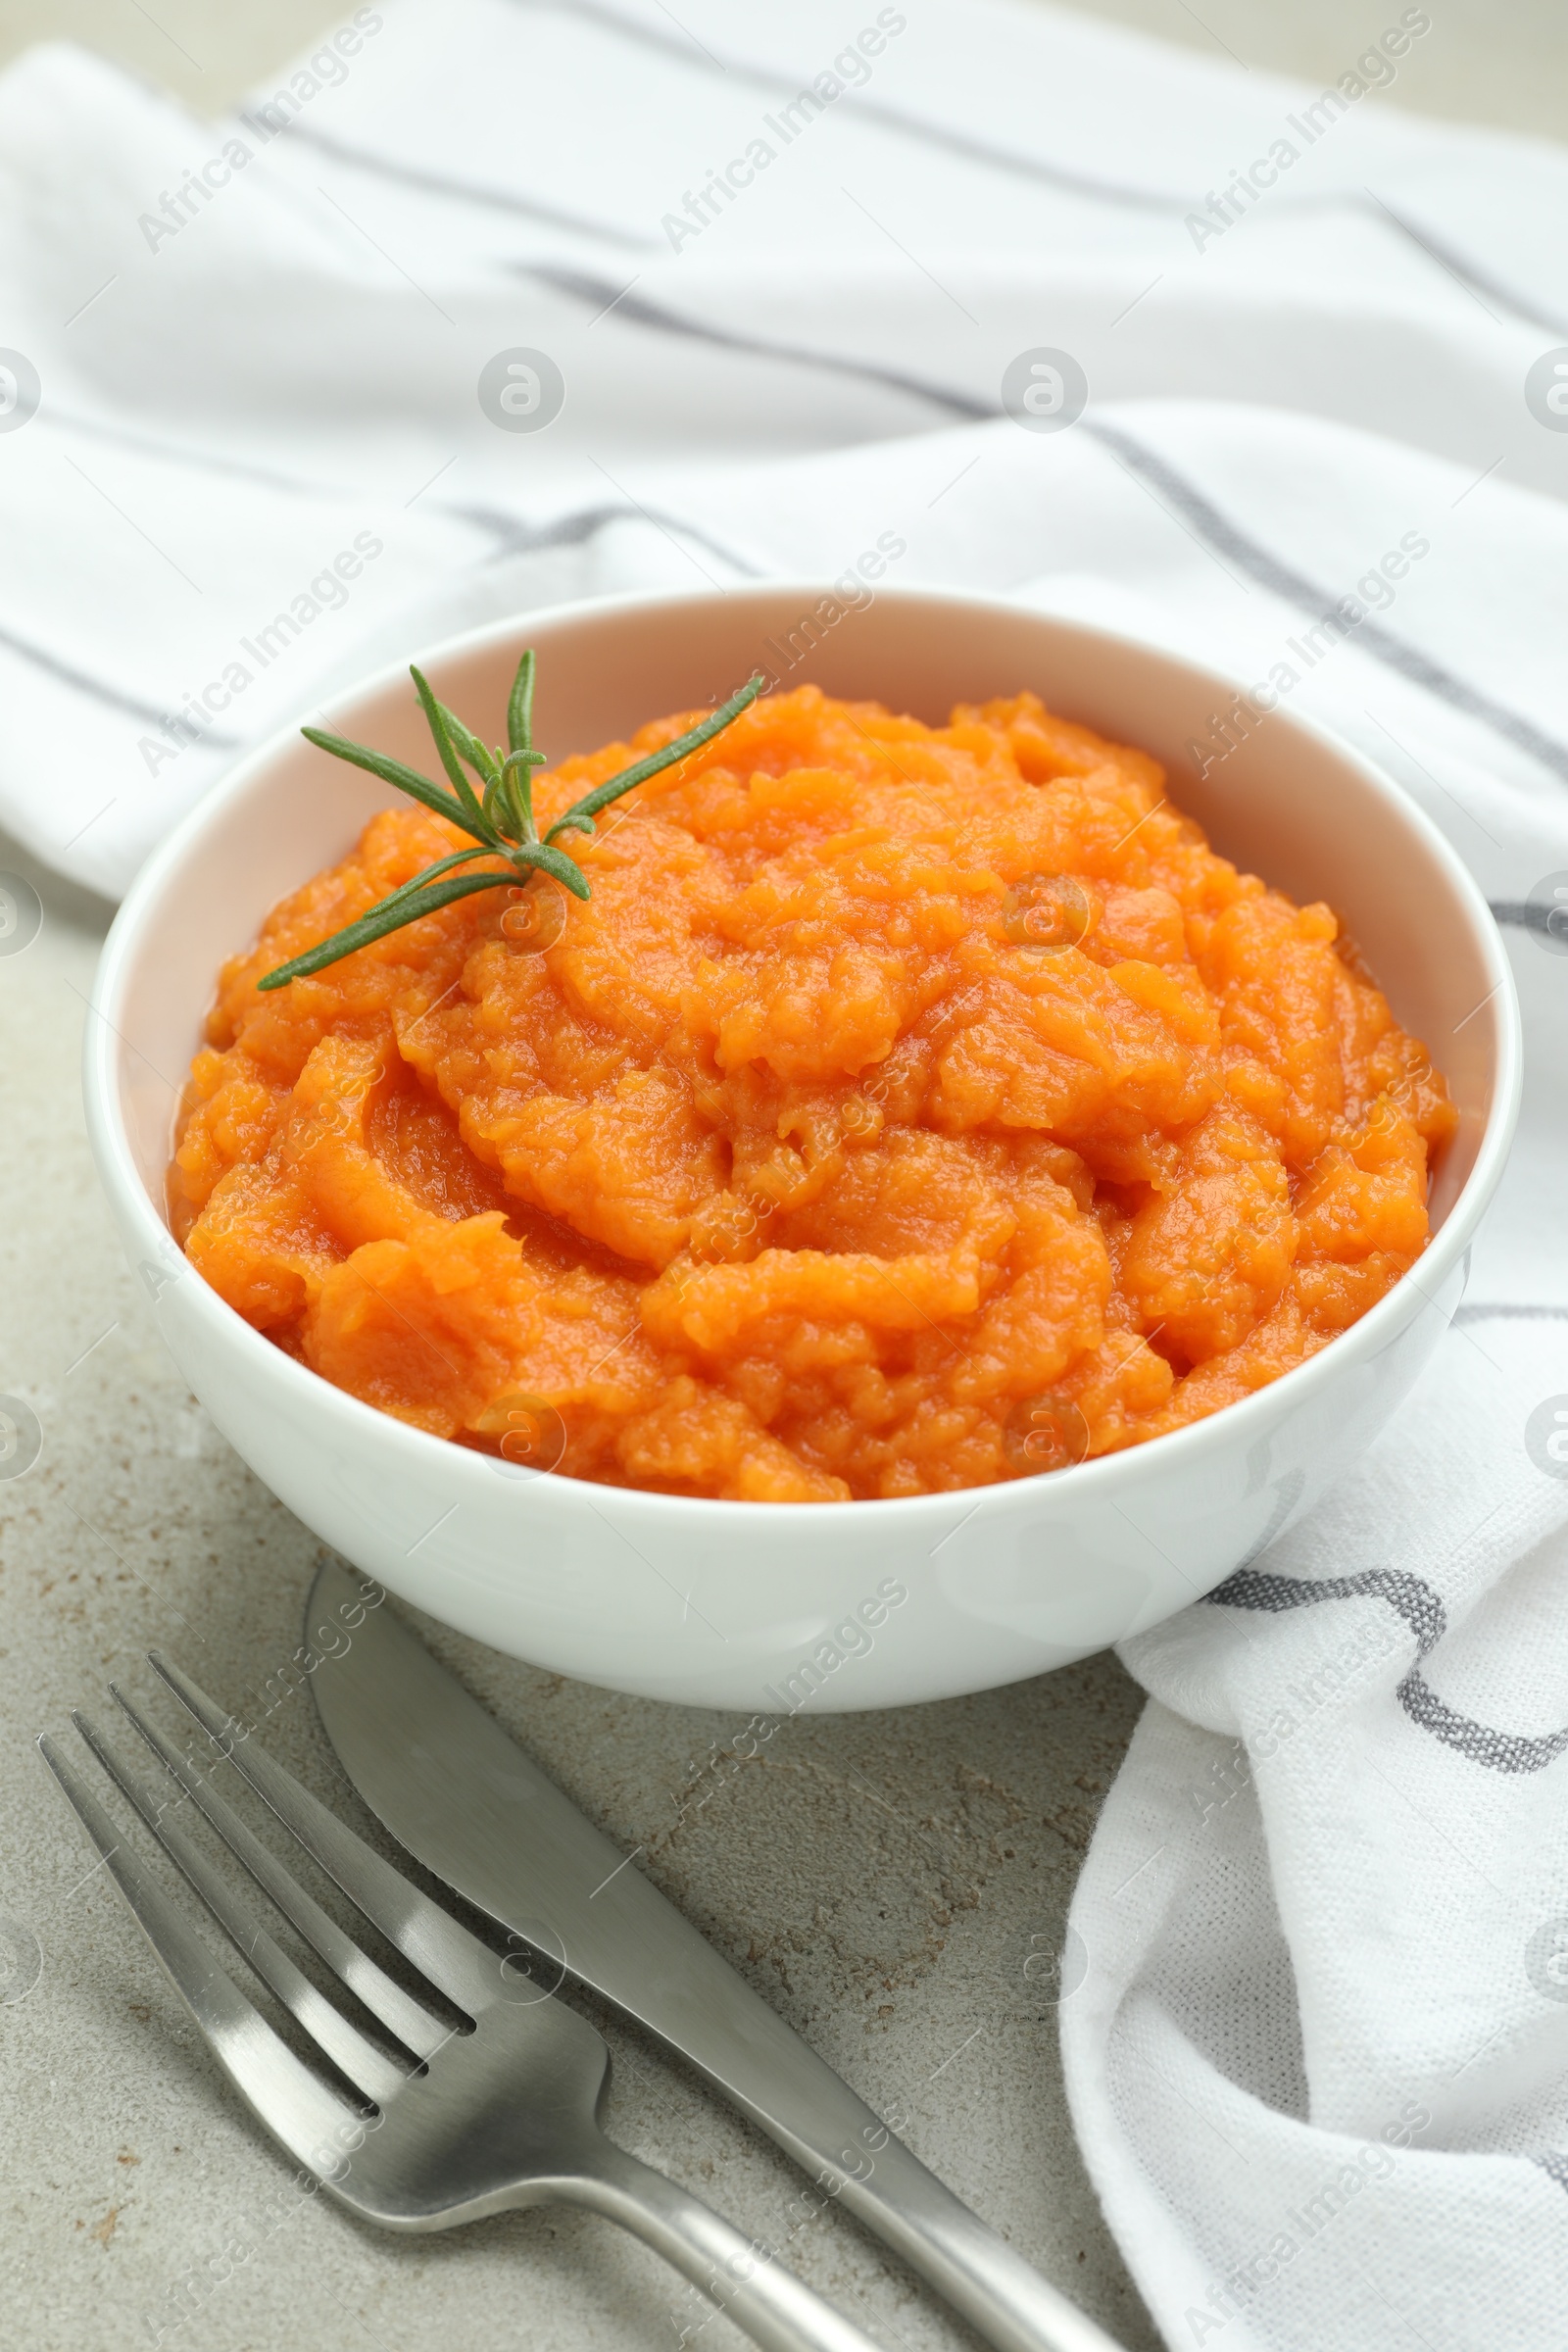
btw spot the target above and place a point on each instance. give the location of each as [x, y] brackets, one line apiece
[1373, 70]
[850, 70]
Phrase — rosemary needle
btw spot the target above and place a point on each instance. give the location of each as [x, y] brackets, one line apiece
[499, 816]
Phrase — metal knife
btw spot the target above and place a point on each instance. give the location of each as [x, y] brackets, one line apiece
[466, 1801]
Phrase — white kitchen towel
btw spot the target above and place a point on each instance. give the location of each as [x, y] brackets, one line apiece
[483, 305]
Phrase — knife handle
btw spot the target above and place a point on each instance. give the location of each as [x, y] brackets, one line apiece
[746, 2281]
[885, 2186]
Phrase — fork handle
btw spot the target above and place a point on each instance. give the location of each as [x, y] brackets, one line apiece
[744, 2278]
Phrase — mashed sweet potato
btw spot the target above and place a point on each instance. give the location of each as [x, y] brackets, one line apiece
[907, 1109]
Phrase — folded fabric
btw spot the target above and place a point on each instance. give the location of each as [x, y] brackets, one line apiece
[473, 309]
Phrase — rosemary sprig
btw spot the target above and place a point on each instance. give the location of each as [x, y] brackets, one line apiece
[499, 816]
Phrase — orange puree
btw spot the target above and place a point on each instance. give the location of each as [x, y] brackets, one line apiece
[907, 1109]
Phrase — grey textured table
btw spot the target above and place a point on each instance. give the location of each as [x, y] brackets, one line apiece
[882, 1878]
[1487, 60]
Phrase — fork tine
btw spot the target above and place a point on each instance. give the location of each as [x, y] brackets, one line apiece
[316, 2126]
[402, 2016]
[360, 2060]
[447, 1954]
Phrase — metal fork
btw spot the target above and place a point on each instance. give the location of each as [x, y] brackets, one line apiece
[469, 2122]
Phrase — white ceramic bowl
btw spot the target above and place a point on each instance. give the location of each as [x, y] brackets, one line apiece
[838, 1606]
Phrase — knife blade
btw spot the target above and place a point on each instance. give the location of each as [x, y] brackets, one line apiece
[465, 1800]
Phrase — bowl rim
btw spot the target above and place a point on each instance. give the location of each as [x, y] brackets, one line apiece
[1174, 1450]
